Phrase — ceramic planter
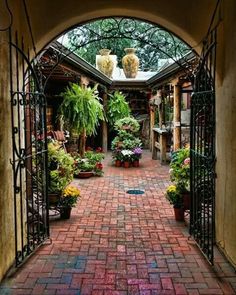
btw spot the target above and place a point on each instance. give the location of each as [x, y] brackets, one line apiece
[105, 62]
[130, 63]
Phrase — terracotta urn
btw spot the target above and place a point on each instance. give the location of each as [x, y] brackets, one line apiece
[105, 62]
[130, 63]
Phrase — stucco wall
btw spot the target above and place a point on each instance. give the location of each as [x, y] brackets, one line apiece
[7, 247]
[226, 134]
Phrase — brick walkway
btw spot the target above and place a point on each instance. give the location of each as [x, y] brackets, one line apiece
[116, 243]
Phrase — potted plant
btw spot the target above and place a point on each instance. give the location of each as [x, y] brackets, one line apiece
[68, 200]
[117, 157]
[60, 166]
[137, 153]
[180, 173]
[81, 111]
[128, 124]
[176, 199]
[117, 108]
[127, 157]
[89, 165]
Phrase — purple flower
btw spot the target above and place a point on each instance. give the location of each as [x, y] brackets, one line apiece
[137, 151]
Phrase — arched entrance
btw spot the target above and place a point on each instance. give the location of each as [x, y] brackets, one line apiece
[41, 148]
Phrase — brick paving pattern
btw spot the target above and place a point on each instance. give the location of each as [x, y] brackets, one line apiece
[121, 244]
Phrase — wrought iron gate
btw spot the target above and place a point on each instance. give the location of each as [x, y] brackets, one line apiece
[202, 218]
[29, 160]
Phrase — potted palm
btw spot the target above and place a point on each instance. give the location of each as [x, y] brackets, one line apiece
[176, 199]
[81, 112]
[68, 200]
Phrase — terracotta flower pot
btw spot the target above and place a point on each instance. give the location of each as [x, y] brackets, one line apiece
[179, 214]
[126, 164]
[136, 163]
[186, 200]
[118, 163]
[84, 174]
[65, 212]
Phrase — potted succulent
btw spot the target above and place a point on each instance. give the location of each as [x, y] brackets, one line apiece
[68, 200]
[176, 199]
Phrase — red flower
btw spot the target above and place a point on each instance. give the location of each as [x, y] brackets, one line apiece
[98, 149]
[99, 166]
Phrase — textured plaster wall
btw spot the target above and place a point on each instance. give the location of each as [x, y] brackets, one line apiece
[7, 228]
[7, 250]
[226, 134]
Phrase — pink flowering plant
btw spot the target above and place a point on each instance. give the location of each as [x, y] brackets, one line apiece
[180, 169]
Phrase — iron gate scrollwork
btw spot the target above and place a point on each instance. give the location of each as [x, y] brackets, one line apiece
[202, 150]
[29, 161]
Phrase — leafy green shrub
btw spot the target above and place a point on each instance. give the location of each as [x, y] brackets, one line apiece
[128, 123]
[60, 165]
[180, 168]
[117, 107]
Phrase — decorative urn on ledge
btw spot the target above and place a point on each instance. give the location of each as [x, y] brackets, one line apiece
[130, 63]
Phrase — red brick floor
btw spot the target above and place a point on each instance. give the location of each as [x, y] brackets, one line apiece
[116, 243]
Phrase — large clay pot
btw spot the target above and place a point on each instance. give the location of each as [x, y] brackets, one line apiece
[179, 214]
[130, 63]
[105, 62]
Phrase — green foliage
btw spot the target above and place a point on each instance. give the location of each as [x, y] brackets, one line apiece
[90, 163]
[128, 124]
[60, 166]
[94, 157]
[81, 109]
[180, 168]
[117, 107]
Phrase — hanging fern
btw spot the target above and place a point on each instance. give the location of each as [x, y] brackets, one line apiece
[81, 110]
[117, 107]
